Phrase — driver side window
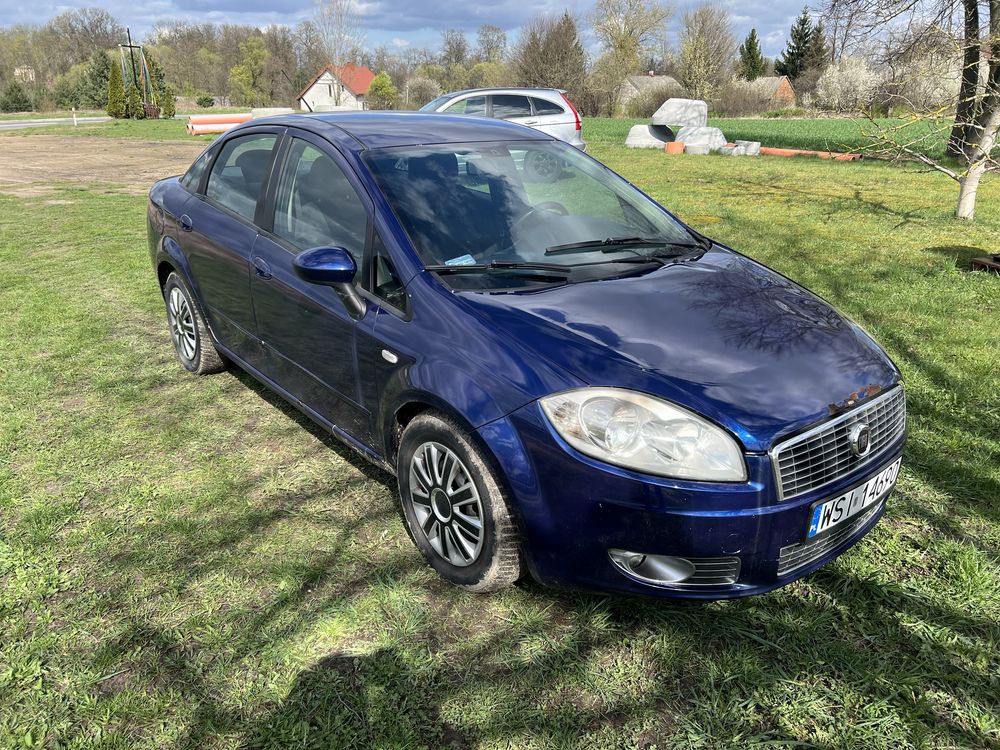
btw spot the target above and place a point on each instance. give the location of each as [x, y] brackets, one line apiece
[316, 206]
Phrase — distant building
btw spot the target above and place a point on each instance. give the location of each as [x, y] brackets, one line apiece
[337, 87]
[635, 85]
[24, 74]
[776, 90]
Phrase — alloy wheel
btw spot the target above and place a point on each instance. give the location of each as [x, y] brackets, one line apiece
[182, 325]
[446, 504]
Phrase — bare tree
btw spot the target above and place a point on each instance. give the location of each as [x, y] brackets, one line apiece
[454, 48]
[627, 28]
[976, 107]
[338, 25]
[707, 46]
[491, 43]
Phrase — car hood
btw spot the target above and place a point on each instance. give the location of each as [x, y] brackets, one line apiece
[720, 334]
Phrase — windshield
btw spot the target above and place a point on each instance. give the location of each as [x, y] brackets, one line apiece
[433, 104]
[516, 204]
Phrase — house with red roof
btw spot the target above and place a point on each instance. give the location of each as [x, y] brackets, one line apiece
[336, 87]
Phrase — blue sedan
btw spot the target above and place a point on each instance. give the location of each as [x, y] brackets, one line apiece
[567, 381]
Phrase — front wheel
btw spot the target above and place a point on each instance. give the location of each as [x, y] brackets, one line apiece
[192, 341]
[454, 507]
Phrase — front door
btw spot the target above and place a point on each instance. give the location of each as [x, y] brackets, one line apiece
[308, 335]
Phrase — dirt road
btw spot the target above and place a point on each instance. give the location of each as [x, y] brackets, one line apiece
[34, 165]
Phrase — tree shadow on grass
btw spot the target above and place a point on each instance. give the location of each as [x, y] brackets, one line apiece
[963, 254]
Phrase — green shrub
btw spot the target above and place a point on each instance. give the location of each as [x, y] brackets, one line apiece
[775, 114]
[205, 101]
[15, 98]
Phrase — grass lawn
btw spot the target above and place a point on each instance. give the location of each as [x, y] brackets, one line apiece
[150, 130]
[186, 562]
[839, 134]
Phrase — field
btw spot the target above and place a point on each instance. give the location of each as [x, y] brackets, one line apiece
[840, 134]
[188, 563]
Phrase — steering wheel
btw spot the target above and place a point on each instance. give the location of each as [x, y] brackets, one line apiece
[554, 207]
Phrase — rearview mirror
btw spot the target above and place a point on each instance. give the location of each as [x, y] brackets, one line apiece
[333, 267]
[330, 266]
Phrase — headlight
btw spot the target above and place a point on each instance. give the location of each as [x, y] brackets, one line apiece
[646, 434]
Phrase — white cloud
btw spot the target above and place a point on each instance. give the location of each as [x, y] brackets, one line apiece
[400, 43]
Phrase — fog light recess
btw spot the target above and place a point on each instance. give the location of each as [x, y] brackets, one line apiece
[668, 570]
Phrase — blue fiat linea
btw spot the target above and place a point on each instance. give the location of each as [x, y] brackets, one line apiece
[567, 381]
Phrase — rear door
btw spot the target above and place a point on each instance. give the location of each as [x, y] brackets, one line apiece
[217, 233]
[513, 107]
[307, 333]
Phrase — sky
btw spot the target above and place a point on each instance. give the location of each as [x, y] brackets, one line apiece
[416, 23]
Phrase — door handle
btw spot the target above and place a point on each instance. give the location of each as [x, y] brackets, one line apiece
[261, 268]
[186, 224]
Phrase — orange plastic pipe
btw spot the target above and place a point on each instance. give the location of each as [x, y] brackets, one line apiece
[231, 119]
[768, 151]
[203, 129]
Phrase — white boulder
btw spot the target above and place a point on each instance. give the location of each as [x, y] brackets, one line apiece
[681, 112]
[701, 136]
[732, 150]
[750, 148]
[643, 136]
[698, 149]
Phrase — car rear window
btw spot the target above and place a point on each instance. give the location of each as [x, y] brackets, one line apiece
[543, 107]
[239, 173]
[510, 105]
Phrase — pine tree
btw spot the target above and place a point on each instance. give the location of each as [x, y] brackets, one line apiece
[752, 64]
[793, 59]
[168, 102]
[116, 92]
[133, 104]
[818, 52]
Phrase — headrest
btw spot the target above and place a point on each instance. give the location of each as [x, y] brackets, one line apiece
[253, 164]
[435, 167]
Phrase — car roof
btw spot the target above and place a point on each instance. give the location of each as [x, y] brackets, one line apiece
[358, 131]
[507, 90]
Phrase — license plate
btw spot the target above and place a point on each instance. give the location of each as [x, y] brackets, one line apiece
[829, 513]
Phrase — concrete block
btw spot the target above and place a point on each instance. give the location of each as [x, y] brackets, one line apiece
[270, 111]
[643, 136]
[750, 148]
[710, 137]
[682, 112]
[732, 150]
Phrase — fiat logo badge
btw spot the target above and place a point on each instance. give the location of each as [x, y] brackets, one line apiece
[860, 437]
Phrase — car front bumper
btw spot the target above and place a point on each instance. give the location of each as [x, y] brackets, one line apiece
[573, 510]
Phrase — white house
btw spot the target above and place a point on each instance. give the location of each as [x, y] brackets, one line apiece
[336, 87]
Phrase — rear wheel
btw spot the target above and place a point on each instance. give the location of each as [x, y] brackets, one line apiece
[192, 340]
[454, 508]
[541, 166]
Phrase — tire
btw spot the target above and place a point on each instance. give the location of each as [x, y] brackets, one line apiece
[192, 340]
[541, 166]
[441, 512]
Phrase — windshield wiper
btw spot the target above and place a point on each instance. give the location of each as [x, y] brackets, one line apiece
[505, 265]
[611, 245]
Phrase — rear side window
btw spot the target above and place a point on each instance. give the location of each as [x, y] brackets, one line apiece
[474, 105]
[192, 178]
[240, 171]
[316, 206]
[510, 105]
[543, 107]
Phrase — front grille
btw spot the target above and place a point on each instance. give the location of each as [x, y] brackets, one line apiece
[795, 556]
[823, 454]
[713, 571]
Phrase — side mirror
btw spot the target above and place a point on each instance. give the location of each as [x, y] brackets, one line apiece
[330, 266]
[333, 267]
